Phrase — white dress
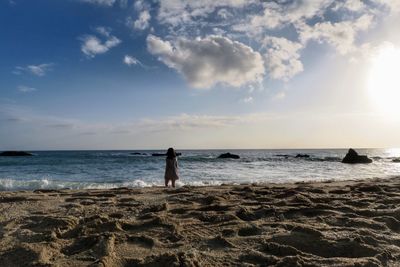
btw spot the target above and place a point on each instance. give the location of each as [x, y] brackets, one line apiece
[171, 169]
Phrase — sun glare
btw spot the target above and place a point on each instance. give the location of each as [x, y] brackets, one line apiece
[384, 80]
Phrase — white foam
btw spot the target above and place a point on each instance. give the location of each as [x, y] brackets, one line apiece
[139, 183]
[13, 185]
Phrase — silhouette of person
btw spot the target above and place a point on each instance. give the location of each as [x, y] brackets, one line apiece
[171, 168]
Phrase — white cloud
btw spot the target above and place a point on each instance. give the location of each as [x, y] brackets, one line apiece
[140, 5]
[129, 60]
[142, 22]
[277, 15]
[157, 46]
[224, 13]
[175, 12]
[282, 57]
[351, 5]
[393, 5]
[341, 35]
[38, 70]
[143, 19]
[92, 45]
[302, 9]
[209, 61]
[25, 89]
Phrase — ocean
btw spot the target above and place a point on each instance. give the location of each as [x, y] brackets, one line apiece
[109, 169]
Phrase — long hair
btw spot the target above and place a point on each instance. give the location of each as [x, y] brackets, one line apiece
[171, 153]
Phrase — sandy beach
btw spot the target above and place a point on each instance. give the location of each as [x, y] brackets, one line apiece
[303, 224]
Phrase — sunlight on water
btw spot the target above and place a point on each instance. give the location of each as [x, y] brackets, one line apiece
[393, 152]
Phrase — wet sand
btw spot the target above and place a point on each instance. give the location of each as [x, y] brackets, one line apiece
[304, 224]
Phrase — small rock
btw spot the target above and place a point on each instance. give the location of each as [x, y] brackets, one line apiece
[352, 157]
[228, 156]
[302, 156]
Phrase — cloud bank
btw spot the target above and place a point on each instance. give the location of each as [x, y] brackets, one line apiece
[205, 62]
[237, 42]
[278, 30]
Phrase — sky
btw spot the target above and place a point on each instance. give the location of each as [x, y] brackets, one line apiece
[134, 74]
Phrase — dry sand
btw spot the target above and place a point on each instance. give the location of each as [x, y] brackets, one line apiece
[307, 224]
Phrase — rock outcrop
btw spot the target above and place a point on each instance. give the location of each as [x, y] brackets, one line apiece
[352, 157]
[228, 156]
[15, 154]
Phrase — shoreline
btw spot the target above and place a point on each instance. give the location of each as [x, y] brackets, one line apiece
[285, 183]
[328, 223]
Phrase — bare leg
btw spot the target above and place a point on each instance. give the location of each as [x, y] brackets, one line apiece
[173, 183]
[166, 182]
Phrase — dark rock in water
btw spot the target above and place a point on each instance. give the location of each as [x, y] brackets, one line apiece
[228, 156]
[397, 160]
[164, 154]
[302, 156]
[15, 154]
[352, 157]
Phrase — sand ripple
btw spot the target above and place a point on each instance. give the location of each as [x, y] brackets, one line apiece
[305, 224]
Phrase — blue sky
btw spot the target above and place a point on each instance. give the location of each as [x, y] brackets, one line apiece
[123, 74]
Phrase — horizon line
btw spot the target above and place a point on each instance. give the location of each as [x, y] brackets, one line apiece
[188, 149]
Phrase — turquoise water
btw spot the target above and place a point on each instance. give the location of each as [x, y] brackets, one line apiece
[107, 169]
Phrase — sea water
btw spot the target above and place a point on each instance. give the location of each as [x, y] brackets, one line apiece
[109, 169]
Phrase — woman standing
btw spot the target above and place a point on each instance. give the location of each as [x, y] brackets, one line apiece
[171, 168]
